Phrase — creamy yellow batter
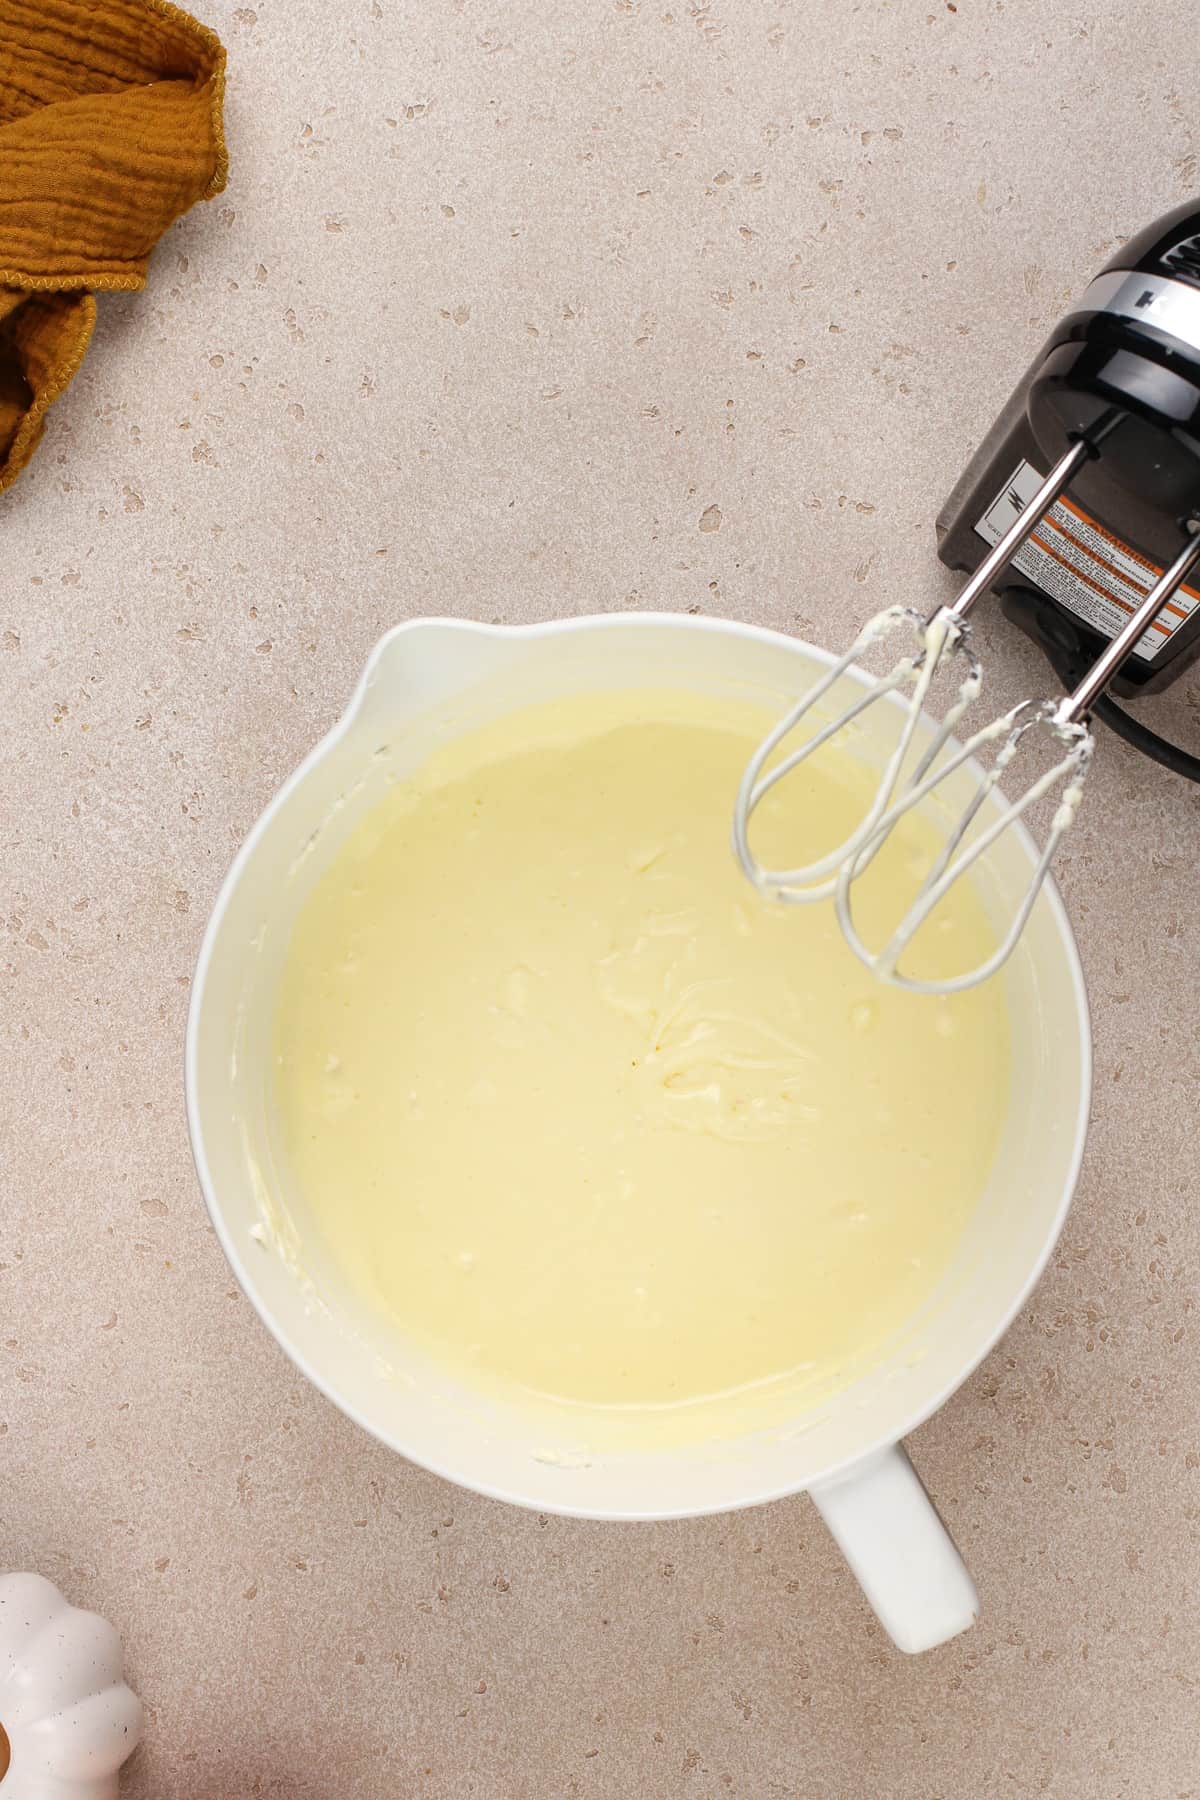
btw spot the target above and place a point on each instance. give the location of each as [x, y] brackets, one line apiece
[587, 1117]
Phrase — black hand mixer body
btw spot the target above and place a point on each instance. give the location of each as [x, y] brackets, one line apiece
[1121, 372]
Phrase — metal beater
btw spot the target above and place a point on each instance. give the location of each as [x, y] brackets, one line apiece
[940, 636]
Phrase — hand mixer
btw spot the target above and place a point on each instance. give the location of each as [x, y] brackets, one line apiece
[1092, 560]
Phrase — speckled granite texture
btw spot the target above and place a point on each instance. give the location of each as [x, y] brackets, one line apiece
[513, 310]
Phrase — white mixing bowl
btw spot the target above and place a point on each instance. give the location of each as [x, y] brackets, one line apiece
[425, 682]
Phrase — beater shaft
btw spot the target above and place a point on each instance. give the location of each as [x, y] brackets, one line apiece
[1077, 705]
[1067, 721]
[1022, 528]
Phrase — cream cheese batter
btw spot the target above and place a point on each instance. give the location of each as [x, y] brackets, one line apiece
[584, 1116]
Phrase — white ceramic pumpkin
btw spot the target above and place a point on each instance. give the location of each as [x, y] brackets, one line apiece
[67, 1719]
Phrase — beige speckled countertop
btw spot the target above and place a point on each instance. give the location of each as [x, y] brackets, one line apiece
[502, 300]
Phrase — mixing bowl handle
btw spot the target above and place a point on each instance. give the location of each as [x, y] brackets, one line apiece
[889, 1531]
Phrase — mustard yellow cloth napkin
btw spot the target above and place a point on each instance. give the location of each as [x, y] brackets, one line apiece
[110, 128]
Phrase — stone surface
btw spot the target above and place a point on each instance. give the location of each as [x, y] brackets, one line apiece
[510, 311]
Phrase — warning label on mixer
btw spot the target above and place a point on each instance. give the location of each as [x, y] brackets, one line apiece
[1084, 567]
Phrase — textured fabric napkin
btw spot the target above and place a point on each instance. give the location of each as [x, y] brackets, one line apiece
[110, 128]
